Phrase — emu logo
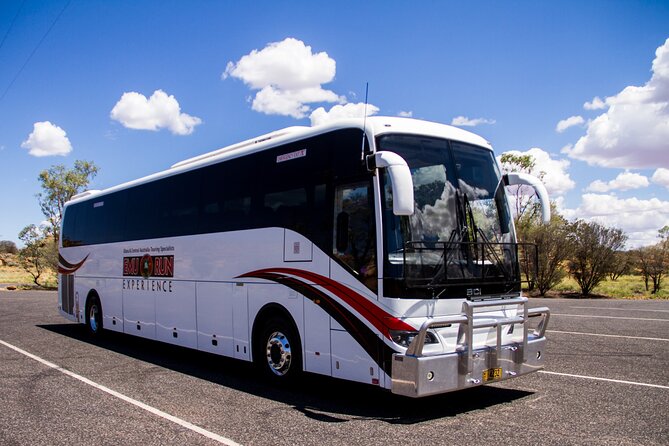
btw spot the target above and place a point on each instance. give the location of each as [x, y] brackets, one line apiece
[146, 266]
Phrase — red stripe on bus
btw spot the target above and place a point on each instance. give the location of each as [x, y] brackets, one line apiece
[65, 267]
[383, 321]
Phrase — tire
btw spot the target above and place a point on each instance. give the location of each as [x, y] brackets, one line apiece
[94, 317]
[278, 351]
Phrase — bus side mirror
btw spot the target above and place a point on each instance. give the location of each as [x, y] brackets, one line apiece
[400, 179]
[511, 179]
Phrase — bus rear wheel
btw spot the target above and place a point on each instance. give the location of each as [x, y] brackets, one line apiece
[277, 351]
[94, 316]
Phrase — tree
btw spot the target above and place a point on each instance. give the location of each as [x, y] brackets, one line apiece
[641, 262]
[526, 226]
[661, 258]
[8, 247]
[663, 234]
[554, 247]
[594, 246]
[621, 263]
[59, 185]
[524, 195]
[653, 261]
[35, 256]
[526, 210]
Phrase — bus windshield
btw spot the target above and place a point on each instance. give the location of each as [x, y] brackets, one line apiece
[460, 237]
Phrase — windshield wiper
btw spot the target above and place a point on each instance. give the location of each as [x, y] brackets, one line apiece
[445, 260]
[459, 242]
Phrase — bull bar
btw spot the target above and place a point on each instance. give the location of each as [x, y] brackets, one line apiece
[415, 374]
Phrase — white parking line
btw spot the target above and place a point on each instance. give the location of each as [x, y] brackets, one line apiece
[622, 309]
[596, 378]
[127, 399]
[610, 317]
[607, 335]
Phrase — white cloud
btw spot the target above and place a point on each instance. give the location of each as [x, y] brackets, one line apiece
[463, 121]
[288, 76]
[159, 111]
[569, 122]
[624, 181]
[320, 116]
[634, 131]
[47, 139]
[554, 171]
[274, 101]
[661, 177]
[288, 65]
[405, 114]
[640, 219]
[596, 104]
[598, 186]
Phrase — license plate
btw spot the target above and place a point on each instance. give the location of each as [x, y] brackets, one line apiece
[492, 374]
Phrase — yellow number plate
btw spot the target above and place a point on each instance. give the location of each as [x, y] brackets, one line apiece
[492, 374]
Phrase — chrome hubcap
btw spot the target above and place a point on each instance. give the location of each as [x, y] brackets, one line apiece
[278, 353]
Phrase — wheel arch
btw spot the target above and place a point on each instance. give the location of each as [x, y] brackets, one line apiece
[92, 294]
[265, 314]
[90, 297]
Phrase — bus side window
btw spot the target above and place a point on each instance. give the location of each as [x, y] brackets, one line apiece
[353, 235]
[70, 235]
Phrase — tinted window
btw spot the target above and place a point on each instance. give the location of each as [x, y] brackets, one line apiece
[164, 208]
[100, 220]
[69, 232]
[287, 186]
[104, 218]
[225, 196]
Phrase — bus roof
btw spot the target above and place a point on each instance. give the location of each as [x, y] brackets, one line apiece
[374, 126]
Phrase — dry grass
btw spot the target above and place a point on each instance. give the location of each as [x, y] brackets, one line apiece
[626, 287]
[13, 274]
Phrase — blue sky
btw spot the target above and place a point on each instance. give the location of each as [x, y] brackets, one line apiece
[509, 71]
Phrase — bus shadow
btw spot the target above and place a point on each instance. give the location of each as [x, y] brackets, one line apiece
[320, 398]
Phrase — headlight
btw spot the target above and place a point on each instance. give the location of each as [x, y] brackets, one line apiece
[405, 338]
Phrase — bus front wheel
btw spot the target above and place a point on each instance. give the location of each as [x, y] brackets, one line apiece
[277, 351]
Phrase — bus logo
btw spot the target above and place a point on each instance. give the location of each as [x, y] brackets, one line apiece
[148, 266]
[473, 292]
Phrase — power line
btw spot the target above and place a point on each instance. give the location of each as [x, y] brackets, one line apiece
[34, 50]
[12, 24]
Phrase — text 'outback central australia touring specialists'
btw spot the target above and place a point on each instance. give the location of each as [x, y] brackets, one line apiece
[381, 251]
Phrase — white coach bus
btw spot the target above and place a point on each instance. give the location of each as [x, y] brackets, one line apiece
[381, 251]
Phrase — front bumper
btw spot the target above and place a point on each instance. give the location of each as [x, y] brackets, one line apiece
[415, 374]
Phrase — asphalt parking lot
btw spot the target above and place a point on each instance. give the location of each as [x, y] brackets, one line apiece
[606, 383]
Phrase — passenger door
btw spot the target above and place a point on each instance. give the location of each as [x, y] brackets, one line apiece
[354, 236]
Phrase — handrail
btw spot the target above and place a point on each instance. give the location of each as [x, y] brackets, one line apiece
[536, 312]
[416, 346]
